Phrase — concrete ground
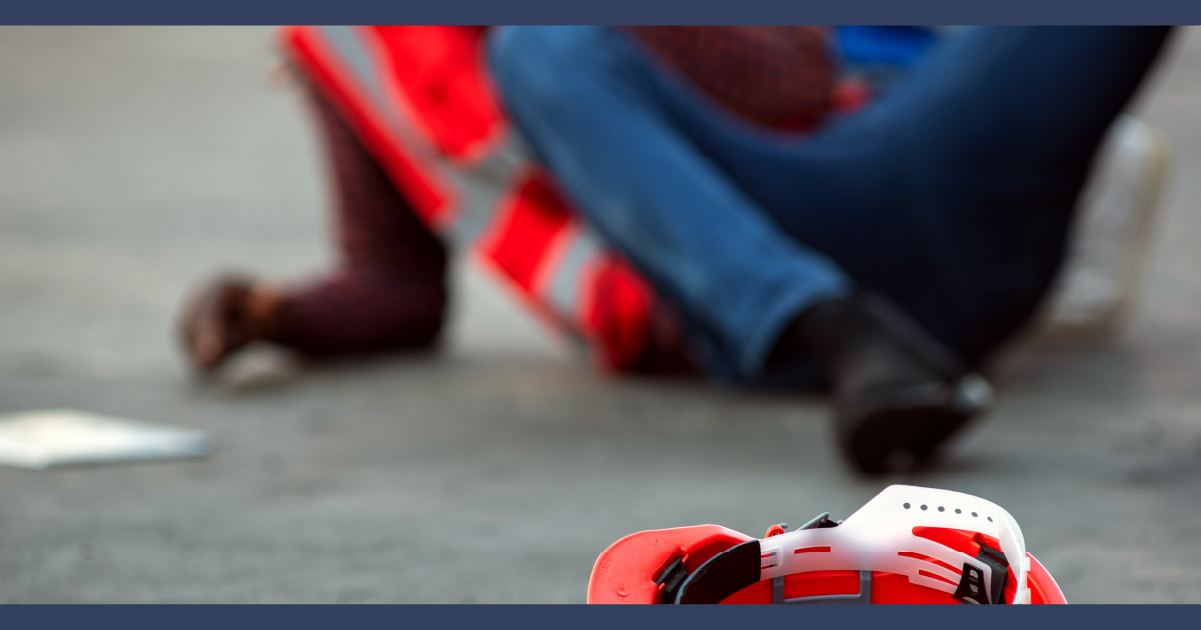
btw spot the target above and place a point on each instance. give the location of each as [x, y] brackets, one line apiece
[135, 161]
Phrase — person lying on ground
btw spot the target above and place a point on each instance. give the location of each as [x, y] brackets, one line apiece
[884, 252]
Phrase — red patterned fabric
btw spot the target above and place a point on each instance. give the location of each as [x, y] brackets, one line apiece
[389, 291]
[779, 76]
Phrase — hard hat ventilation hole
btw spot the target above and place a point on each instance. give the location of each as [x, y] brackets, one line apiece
[923, 507]
[974, 514]
[906, 506]
[942, 509]
[958, 511]
[990, 519]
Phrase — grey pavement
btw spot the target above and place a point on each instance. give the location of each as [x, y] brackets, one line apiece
[134, 161]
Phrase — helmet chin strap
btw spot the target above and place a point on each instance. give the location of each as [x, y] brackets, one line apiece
[722, 575]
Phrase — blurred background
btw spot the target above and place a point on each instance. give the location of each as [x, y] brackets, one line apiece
[135, 160]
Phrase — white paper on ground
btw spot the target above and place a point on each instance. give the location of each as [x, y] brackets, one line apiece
[56, 437]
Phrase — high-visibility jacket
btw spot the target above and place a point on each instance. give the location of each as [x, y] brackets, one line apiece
[421, 100]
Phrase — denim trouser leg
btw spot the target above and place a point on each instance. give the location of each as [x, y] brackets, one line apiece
[586, 101]
[953, 195]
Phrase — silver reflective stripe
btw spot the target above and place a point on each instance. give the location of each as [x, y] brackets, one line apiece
[483, 186]
[479, 188]
[563, 290]
[346, 42]
[356, 57]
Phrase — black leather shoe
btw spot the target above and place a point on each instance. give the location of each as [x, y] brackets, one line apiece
[899, 394]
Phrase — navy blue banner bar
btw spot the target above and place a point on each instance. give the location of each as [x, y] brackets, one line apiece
[606, 12]
[601, 617]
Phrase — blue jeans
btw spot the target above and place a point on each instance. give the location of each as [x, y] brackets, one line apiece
[952, 195]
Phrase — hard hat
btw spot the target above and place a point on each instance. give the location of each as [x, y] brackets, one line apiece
[908, 545]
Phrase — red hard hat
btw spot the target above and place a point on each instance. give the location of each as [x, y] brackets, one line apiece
[908, 545]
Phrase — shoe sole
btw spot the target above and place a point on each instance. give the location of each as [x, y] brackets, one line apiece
[901, 423]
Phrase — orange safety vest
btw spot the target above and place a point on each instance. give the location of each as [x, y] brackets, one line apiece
[421, 100]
